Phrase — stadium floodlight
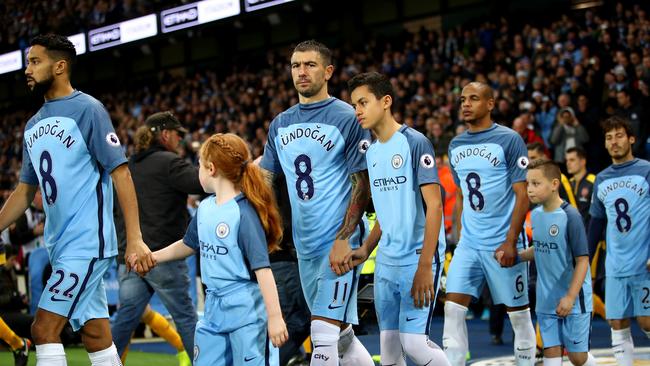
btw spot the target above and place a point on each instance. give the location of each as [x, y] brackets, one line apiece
[585, 4]
[124, 32]
[252, 5]
[11, 61]
[200, 12]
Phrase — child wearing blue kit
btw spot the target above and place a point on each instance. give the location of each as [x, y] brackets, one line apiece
[560, 252]
[234, 229]
[407, 198]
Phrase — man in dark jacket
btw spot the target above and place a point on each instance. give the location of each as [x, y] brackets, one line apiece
[162, 182]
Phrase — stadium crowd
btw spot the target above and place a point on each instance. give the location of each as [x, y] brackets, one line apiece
[595, 63]
[23, 20]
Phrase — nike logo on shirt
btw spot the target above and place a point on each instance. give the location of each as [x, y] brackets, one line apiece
[56, 299]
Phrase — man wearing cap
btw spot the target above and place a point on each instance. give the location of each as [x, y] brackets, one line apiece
[162, 182]
[567, 133]
[621, 77]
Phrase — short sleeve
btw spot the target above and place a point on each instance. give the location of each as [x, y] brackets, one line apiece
[576, 234]
[424, 163]
[27, 172]
[191, 238]
[102, 141]
[270, 159]
[251, 238]
[517, 158]
[597, 209]
[357, 142]
[451, 166]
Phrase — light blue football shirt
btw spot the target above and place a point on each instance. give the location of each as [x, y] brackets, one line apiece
[317, 146]
[621, 196]
[231, 242]
[397, 169]
[484, 165]
[559, 237]
[70, 149]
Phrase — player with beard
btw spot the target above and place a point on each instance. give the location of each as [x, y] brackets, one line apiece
[320, 148]
[72, 136]
[488, 163]
[621, 204]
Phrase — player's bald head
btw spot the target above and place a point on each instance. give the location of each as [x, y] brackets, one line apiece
[484, 90]
[476, 103]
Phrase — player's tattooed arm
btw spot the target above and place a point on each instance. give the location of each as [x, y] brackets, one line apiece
[354, 213]
[361, 254]
[358, 203]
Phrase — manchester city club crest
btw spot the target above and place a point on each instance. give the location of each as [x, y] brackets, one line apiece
[397, 161]
[223, 230]
[427, 161]
[554, 230]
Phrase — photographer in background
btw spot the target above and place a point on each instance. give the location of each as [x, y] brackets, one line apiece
[567, 133]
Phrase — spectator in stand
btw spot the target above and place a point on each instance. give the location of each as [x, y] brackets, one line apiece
[588, 115]
[563, 101]
[503, 113]
[522, 127]
[438, 137]
[620, 76]
[544, 115]
[582, 182]
[567, 133]
[635, 113]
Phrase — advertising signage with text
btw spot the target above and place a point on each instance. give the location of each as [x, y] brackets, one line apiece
[11, 61]
[193, 14]
[252, 5]
[120, 33]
